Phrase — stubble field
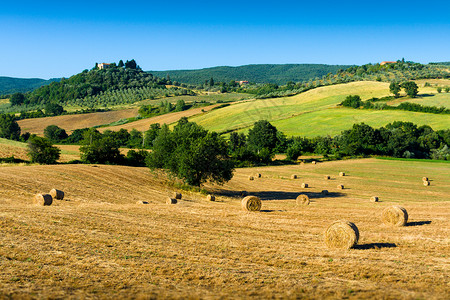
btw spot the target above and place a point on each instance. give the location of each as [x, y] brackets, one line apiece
[101, 244]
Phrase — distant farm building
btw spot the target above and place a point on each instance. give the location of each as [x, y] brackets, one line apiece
[387, 62]
[102, 66]
[242, 82]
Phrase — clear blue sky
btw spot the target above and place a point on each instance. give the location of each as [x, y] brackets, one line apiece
[48, 39]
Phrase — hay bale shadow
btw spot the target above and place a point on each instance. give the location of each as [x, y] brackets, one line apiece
[271, 210]
[418, 223]
[278, 195]
[374, 246]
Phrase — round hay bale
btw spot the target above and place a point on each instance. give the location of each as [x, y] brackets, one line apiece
[340, 186]
[251, 203]
[302, 199]
[177, 195]
[250, 178]
[327, 177]
[244, 193]
[395, 215]
[304, 185]
[43, 199]
[313, 162]
[342, 235]
[374, 199]
[342, 174]
[171, 200]
[293, 176]
[424, 178]
[57, 194]
[258, 175]
[324, 192]
[141, 202]
[211, 198]
[426, 183]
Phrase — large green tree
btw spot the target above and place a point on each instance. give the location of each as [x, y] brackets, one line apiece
[411, 88]
[17, 99]
[55, 133]
[263, 135]
[9, 129]
[192, 154]
[41, 150]
[395, 88]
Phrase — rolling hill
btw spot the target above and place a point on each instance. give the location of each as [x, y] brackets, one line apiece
[10, 85]
[263, 73]
[315, 112]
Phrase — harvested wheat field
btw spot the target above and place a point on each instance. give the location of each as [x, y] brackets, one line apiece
[98, 243]
[144, 124]
[72, 122]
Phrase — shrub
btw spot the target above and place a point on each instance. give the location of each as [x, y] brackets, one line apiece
[41, 150]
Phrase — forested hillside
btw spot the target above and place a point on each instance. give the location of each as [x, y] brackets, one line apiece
[9, 85]
[264, 73]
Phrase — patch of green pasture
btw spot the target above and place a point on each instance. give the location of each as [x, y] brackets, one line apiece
[334, 121]
[12, 143]
[241, 115]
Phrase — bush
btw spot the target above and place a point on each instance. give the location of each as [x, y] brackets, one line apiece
[41, 150]
[55, 133]
[352, 101]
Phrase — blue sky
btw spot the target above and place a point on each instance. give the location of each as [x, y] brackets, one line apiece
[48, 39]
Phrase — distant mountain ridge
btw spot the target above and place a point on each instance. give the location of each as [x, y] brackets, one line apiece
[259, 73]
[10, 85]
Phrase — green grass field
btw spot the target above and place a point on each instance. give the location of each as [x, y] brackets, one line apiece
[316, 112]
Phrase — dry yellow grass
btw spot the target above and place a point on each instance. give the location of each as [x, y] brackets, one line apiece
[72, 122]
[144, 124]
[100, 244]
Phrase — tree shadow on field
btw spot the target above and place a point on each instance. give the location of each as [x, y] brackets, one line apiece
[278, 195]
[418, 223]
[374, 246]
[425, 95]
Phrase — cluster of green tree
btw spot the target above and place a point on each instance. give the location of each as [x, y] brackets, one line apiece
[355, 101]
[261, 73]
[410, 87]
[93, 82]
[10, 85]
[164, 107]
[397, 139]
[128, 96]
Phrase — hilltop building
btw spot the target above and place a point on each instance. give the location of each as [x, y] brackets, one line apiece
[102, 66]
[242, 82]
[387, 62]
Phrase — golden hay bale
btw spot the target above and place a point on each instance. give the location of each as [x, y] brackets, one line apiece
[395, 215]
[302, 199]
[340, 186]
[211, 198]
[304, 185]
[313, 162]
[341, 174]
[426, 183]
[424, 178]
[171, 200]
[141, 202]
[258, 175]
[293, 176]
[43, 199]
[327, 177]
[374, 199]
[251, 203]
[342, 234]
[250, 178]
[324, 192]
[177, 196]
[57, 194]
